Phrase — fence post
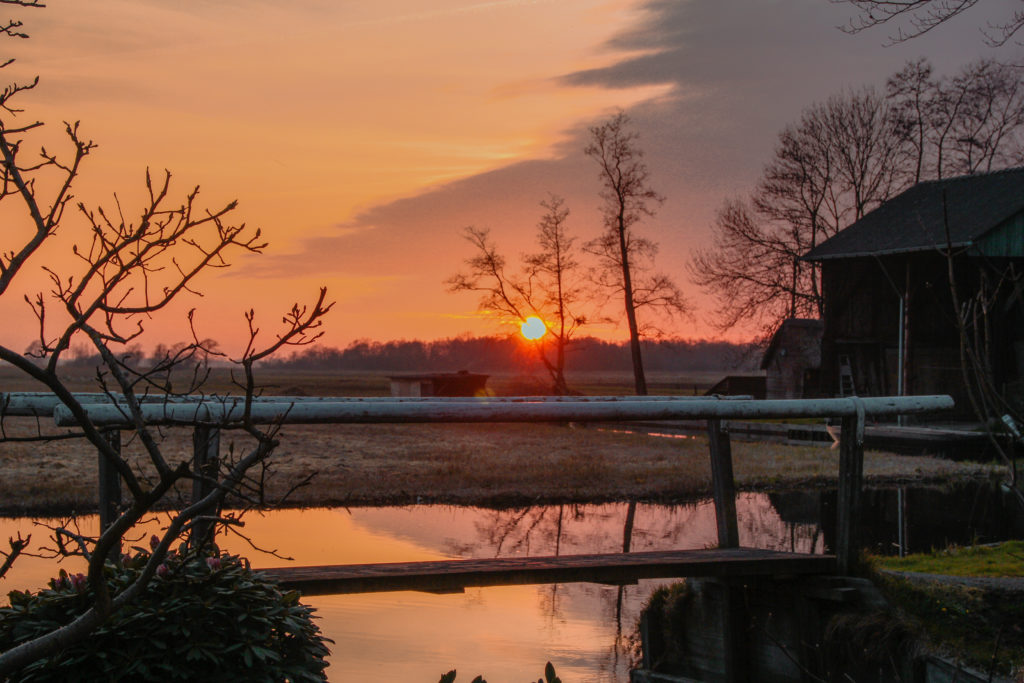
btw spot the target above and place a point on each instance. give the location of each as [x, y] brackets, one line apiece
[205, 463]
[723, 485]
[110, 483]
[851, 477]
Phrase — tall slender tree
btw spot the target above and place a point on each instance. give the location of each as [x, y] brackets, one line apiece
[625, 259]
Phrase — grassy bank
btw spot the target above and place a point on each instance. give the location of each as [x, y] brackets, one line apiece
[999, 560]
[977, 623]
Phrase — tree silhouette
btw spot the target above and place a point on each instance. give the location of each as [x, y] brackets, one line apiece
[128, 271]
[921, 16]
[547, 286]
[843, 158]
[624, 257]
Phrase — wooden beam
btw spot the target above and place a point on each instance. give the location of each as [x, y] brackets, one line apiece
[723, 484]
[851, 480]
[615, 568]
[205, 464]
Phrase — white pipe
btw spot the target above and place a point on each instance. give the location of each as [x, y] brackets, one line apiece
[31, 404]
[487, 410]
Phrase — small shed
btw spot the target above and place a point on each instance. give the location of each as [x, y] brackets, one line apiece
[460, 383]
[792, 360]
[739, 385]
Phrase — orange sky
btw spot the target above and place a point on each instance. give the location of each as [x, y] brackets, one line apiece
[361, 137]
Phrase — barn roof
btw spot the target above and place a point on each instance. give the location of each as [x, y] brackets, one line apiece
[914, 220]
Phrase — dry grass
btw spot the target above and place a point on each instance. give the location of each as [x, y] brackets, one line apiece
[480, 464]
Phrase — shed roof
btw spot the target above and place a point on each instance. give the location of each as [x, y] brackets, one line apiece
[913, 221]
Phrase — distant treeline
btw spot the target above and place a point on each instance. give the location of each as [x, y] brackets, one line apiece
[511, 354]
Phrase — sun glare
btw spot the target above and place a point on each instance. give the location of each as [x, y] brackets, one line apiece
[533, 328]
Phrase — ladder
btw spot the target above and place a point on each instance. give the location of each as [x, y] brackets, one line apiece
[846, 387]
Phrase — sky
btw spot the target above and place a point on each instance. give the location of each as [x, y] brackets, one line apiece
[362, 137]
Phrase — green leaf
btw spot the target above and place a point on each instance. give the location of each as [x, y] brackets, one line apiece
[448, 677]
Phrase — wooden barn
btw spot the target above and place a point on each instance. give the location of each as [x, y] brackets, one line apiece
[889, 322]
[792, 360]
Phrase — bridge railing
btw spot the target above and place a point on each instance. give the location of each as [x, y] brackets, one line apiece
[209, 415]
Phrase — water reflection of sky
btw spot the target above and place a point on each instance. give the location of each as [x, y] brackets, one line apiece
[505, 633]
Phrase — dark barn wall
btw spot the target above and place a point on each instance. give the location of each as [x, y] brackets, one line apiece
[862, 322]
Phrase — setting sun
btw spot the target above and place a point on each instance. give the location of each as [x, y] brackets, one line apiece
[533, 328]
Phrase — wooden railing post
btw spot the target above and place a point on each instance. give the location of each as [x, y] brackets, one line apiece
[723, 485]
[851, 479]
[205, 461]
[110, 483]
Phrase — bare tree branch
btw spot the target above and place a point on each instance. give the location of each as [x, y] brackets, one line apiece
[921, 16]
[129, 271]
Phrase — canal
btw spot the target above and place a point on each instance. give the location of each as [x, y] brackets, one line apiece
[508, 633]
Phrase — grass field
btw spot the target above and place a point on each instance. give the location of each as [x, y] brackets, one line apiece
[457, 463]
[502, 464]
[275, 381]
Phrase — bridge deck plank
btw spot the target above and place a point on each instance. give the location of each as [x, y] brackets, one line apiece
[619, 568]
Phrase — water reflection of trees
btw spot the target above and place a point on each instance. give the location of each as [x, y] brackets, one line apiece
[624, 527]
[762, 526]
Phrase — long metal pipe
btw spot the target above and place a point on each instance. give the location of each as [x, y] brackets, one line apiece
[488, 410]
[32, 404]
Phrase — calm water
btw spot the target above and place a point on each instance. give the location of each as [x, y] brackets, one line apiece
[508, 633]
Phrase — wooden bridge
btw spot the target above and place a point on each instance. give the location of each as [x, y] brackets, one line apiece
[208, 416]
[452, 576]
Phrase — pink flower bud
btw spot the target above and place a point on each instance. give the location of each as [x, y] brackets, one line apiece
[162, 570]
[213, 563]
[79, 582]
[154, 541]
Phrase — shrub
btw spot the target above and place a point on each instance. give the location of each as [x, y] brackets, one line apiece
[200, 618]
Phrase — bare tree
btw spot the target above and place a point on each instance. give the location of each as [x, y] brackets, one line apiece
[844, 158]
[625, 259]
[988, 131]
[840, 161]
[921, 16]
[546, 286]
[997, 405]
[912, 93]
[129, 270]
